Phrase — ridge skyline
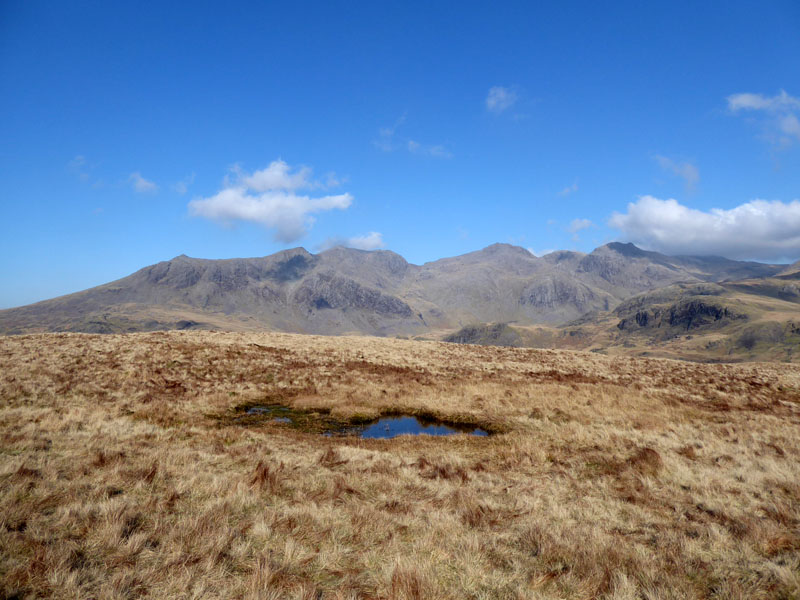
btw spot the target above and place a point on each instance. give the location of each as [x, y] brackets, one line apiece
[376, 292]
[496, 245]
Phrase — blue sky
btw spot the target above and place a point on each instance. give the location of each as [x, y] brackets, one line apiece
[135, 132]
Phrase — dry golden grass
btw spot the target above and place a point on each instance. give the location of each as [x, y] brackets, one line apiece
[122, 473]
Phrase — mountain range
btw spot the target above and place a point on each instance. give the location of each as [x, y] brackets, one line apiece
[343, 290]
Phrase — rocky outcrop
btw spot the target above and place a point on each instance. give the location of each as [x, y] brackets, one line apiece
[686, 314]
[492, 334]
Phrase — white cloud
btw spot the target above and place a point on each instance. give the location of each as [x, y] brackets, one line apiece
[685, 170]
[277, 176]
[578, 225]
[500, 98]
[779, 113]
[269, 197]
[760, 229]
[142, 185]
[781, 102]
[183, 185]
[370, 241]
[570, 189]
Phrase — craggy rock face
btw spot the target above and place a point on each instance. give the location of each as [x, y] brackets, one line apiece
[326, 291]
[696, 313]
[552, 292]
[686, 315]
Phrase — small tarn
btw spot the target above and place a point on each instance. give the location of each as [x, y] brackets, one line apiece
[389, 426]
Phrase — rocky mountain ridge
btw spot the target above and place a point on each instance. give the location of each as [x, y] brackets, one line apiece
[343, 290]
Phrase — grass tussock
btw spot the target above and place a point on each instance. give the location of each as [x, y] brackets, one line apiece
[127, 470]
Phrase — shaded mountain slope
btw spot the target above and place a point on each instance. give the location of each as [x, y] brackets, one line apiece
[292, 290]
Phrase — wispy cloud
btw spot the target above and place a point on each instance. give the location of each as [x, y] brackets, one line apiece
[332, 180]
[142, 185]
[778, 115]
[780, 102]
[79, 167]
[437, 151]
[579, 225]
[386, 135]
[570, 189]
[685, 170]
[77, 163]
[269, 197]
[369, 241]
[183, 185]
[760, 229]
[389, 141]
[500, 99]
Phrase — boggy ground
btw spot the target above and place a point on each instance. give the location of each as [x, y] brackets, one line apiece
[124, 474]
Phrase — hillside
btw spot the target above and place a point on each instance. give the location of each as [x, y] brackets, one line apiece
[754, 319]
[378, 293]
[132, 468]
[791, 270]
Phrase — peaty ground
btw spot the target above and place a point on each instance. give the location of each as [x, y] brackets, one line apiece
[126, 471]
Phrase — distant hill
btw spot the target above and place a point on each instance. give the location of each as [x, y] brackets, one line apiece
[751, 319]
[343, 290]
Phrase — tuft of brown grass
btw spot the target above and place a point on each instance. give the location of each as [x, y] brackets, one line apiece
[646, 461]
[331, 458]
[267, 478]
[408, 584]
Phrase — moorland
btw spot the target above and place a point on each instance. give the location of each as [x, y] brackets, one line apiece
[131, 468]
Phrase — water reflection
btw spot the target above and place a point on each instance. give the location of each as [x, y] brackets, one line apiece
[389, 427]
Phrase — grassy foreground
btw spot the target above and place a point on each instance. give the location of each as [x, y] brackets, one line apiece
[124, 472]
